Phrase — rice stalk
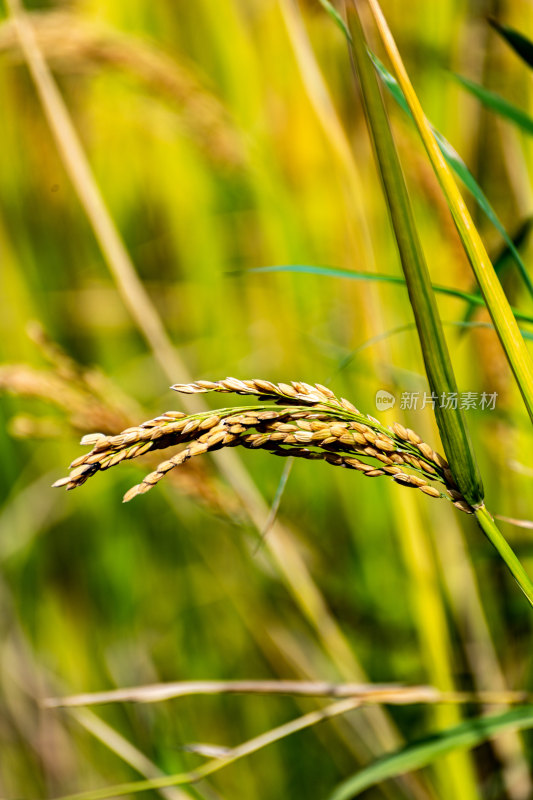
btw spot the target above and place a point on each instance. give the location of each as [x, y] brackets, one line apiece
[291, 420]
[505, 325]
[438, 364]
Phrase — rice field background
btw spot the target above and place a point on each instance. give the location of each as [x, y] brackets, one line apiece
[223, 138]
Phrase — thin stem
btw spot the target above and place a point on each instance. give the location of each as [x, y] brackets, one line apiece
[232, 755]
[489, 528]
[389, 694]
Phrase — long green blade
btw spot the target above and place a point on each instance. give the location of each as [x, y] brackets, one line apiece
[502, 259]
[419, 754]
[448, 151]
[522, 46]
[497, 104]
[354, 275]
[461, 170]
[452, 157]
[490, 529]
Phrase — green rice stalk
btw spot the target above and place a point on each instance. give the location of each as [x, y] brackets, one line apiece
[513, 344]
[451, 422]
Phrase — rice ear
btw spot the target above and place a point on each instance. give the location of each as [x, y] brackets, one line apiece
[307, 421]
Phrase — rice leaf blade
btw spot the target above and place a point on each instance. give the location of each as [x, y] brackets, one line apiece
[522, 46]
[490, 529]
[419, 754]
[461, 170]
[506, 327]
[448, 151]
[354, 275]
[501, 261]
[498, 104]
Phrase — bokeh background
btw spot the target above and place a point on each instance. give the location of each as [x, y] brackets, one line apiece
[225, 137]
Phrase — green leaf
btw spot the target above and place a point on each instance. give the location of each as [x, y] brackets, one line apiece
[523, 47]
[334, 14]
[450, 154]
[497, 104]
[423, 752]
[502, 260]
[353, 275]
[496, 538]
[504, 322]
[461, 170]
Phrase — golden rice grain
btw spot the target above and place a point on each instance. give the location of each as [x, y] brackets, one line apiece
[308, 421]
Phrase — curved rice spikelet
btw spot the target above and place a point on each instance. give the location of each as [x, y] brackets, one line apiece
[296, 420]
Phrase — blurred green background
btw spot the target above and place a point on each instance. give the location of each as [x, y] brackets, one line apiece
[224, 137]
